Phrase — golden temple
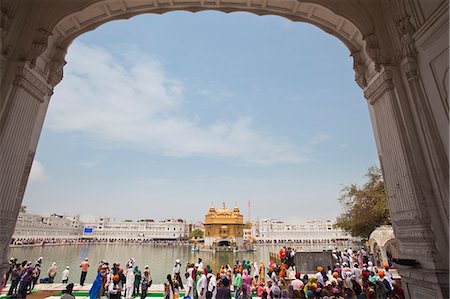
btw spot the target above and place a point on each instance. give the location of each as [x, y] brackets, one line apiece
[224, 227]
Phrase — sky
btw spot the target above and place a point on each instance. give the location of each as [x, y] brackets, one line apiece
[160, 116]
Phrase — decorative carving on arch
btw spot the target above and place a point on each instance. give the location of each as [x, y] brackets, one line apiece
[374, 51]
[359, 66]
[38, 46]
[56, 65]
[5, 22]
[406, 31]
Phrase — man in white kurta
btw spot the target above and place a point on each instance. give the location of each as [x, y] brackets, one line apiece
[202, 284]
[212, 285]
[129, 285]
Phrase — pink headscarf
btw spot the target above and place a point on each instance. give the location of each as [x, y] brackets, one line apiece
[247, 280]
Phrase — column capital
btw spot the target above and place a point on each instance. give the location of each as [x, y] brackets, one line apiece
[379, 86]
[32, 81]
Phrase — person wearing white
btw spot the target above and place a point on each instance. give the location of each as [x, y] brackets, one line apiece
[176, 269]
[202, 285]
[212, 285]
[129, 285]
[200, 264]
[65, 275]
[189, 286]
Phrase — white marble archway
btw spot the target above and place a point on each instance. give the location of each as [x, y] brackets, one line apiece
[381, 241]
[400, 51]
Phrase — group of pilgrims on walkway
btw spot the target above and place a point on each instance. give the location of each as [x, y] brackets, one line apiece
[25, 275]
[353, 276]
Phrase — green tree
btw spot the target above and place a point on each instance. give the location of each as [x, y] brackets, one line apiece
[365, 207]
[197, 233]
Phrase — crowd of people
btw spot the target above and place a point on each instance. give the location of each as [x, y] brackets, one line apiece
[352, 276]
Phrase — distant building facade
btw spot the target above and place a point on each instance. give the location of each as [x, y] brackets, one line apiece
[47, 228]
[37, 229]
[274, 231]
[144, 230]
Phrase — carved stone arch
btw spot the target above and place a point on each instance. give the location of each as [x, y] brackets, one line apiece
[337, 19]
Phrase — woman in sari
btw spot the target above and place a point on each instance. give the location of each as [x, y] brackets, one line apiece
[94, 292]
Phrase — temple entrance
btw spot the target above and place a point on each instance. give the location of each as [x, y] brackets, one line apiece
[400, 53]
[224, 243]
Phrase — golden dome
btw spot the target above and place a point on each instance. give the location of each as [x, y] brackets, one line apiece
[212, 209]
[223, 211]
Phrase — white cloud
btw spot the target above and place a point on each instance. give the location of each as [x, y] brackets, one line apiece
[38, 173]
[131, 102]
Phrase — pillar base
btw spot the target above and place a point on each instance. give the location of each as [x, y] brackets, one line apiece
[424, 283]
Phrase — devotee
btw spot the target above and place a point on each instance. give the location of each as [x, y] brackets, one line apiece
[68, 292]
[246, 281]
[297, 285]
[275, 292]
[202, 284]
[168, 288]
[189, 285]
[114, 289]
[137, 280]
[268, 289]
[95, 290]
[212, 286]
[129, 284]
[176, 272]
[237, 282]
[84, 268]
[262, 272]
[36, 273]
[52, 272]
[223, 292]
[15, 279]
[65, 275]
[25, 280]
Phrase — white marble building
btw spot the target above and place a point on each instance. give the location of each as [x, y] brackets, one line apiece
[141, 230]
[33, 227]
[314, 231]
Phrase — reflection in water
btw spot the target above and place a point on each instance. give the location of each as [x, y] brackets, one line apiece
[160, 259]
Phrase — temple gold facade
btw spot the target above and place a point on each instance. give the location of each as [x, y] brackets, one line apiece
[224, 227]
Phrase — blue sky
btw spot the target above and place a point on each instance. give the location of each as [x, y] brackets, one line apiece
[160, 115]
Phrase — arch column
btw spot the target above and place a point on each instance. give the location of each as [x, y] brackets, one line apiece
[22, 120]
[412, 205]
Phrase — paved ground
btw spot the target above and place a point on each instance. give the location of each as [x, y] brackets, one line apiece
[53, 291]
